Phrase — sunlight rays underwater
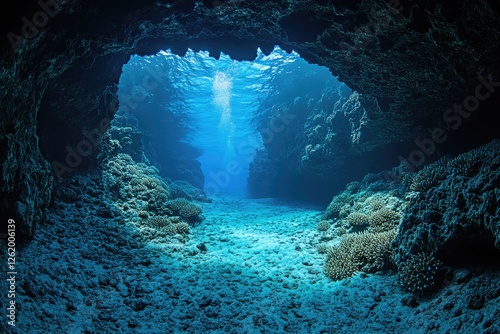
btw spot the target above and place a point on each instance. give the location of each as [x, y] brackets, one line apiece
[222, 100]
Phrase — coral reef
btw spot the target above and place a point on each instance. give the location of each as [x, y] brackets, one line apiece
[133, 133]
[383, 219]
[418, 272]
[446, 215]
[374, 204]
[323, 226]
[136, 184]
[400, 87]
[188, 210]
[184, 189]
[366, 216]
[338, 204]
[358, 219]
[169, 224]
[468, 162]
[339, 263]
[131, 194]
[367, 252]
[430, 175]
[128, 140]
[456, 219]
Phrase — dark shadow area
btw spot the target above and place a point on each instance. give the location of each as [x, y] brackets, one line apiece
[471, 249]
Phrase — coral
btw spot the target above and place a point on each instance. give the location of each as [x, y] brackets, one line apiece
[339, 263]
[337, 204]
[384, 219]
[372, 209]
[127, 140]
[418, 272]
[170, 229]
[459, 217]
[364, 197]
[376, 212]
[189, 211]
[341, 231]
[182, 228]
[353, 187]
[323, 226]
[375, 203]
[158, 221]
[185, 190]
[372, 250]
[150, 183]
[140, 186]
[170, 225]
[323, 248]
[358, 219]
[364, 251]
[430, 175]
[467, 163]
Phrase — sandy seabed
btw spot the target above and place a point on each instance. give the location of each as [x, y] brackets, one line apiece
[260, 273]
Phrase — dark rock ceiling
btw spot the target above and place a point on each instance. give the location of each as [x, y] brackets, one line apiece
[415, 58]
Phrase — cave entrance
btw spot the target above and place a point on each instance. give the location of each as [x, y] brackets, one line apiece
[202, 119]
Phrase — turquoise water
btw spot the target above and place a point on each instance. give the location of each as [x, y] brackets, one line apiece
[225, 103]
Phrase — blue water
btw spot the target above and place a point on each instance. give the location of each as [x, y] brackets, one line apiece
[220, 101]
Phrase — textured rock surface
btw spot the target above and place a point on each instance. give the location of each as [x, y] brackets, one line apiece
[457, 217]
[261, 273]
[416, 60]
[447, 216]
[332, 129]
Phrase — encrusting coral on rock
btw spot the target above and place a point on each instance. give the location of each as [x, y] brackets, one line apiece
[366, 216]
[445, 215]
[452, 218]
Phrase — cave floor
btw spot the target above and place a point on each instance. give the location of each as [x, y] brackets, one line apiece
[260, 273]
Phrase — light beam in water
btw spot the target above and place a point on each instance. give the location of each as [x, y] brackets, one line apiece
[221, 88]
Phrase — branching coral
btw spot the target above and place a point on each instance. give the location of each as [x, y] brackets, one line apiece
[340, 263]
[187, 210]
[418, 272]
[358, 219]
[323, 226]
[374, 207]
[150, 183]
[461, 208]
[170, 225]
[384, 219]
[466, 163]
[158, 221]
[430, 175]
[182, 228]
[138, 184]
[364, 251]
[337, 205]
[323, 248]
[375, 202]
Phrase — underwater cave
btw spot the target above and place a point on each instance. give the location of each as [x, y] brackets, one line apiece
[250, 167]
[203, 120]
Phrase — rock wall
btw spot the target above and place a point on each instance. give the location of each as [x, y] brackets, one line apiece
[446, 216]
[416, 59]
[452, 218]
